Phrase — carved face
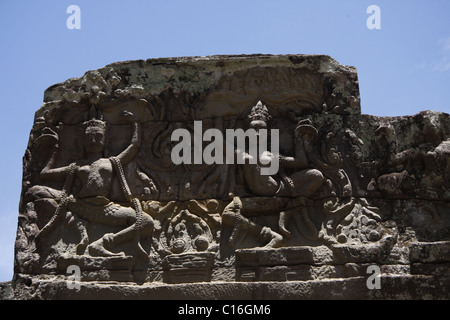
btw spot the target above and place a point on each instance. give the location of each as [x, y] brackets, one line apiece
[258, 124]
[94, 140]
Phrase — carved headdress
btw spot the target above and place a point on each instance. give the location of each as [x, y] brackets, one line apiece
[259, 112]
[95, 120]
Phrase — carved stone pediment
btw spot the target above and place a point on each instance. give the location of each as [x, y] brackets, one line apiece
[102, 191]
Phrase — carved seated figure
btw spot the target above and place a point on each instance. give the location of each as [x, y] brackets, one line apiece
[86, 190]
[304, 182]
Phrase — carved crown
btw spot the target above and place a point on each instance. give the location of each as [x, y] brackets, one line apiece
[259, 112]
[95, 120]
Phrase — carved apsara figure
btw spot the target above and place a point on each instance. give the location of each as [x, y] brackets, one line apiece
[86, 190]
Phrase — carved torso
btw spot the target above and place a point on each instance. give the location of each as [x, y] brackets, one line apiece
[260, 184]
[95, 178]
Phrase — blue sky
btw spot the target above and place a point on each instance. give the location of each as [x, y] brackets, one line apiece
[403, 68]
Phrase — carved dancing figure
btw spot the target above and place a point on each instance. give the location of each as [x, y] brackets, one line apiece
[86, 190]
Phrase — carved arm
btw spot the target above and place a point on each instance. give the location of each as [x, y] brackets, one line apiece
[50, 173]
[299, 160]
[305, 133]
[130, 152]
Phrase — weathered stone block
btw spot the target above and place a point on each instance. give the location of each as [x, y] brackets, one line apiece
[430, 252]
[129, 174]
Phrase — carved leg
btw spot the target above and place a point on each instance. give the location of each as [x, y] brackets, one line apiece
[301, 220]
[313, 233]
[307, 182]
[233, 217]
[74, 221]
[236, 236]
[274, 238]
[141, 228]
[99, 248]
[285, 217]
[81, 247]
[133, 233]
[140, 251]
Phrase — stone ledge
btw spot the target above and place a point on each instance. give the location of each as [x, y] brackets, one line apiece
[430, 252]
[407, 287]
[320, 255]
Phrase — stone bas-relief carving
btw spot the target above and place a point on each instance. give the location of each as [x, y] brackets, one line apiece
[101, 192]
[84, 195]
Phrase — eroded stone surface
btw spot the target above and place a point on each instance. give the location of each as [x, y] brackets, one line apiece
[102, 192]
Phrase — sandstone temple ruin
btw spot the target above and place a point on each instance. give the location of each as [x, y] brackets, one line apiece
[352, 192]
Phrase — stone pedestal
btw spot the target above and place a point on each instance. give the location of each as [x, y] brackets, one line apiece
[188, 267]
